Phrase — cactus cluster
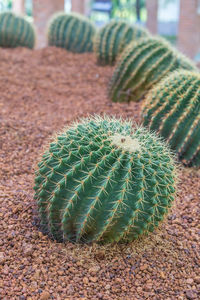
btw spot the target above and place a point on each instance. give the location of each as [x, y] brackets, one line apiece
[103, 180]
[143, 64]
[173, 109]
[113, 38]
[72, 31]
[15, 31]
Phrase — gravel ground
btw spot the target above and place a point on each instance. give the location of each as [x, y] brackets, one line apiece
[40, 92]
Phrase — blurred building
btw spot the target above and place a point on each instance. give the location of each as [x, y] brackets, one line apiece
[177, 19]
[189, 28]
[42, 12]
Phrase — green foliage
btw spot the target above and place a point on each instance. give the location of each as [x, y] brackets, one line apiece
[113, 38]
[15, 31]
[143, 64]
[102, 180]
[72, 31]
[173, 109]
[5, 5]
[127, 9]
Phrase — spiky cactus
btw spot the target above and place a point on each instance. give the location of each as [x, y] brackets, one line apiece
[173, 109]
[143, 64]
[15, 31]
[73, 32]
[102, 180]
[113, 38]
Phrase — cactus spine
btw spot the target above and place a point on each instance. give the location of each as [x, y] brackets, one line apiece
[102, 180]
[15, 31]
[71, 31]
[143, 64]
[173, 109]
[113, 38]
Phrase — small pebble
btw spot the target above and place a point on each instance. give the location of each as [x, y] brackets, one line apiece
[44, 295]
[2, 258]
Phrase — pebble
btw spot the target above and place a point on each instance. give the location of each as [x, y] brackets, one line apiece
[143, 267]
[162, 275]
[28, 250]
[37, 274]
[2, 258]
[190, 295]
[107, 287]
[94, 269]
[189, 280]
[85, 280]
[197, 279]
[44, 295]
[93, 279]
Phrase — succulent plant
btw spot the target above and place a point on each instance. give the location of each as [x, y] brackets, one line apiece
[113, 38]
[73, 32]
[15, 31]
[102, 180]
[173, 109]
[143, 64]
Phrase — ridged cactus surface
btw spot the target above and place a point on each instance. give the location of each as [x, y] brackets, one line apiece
[15, 31]
[102, 180]
[72, 31]
[173, 109]
[113, 38]
[143, 64]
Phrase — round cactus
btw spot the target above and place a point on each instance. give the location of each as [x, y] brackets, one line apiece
[143, 64]
[173, 109]
[113, 38]
[72, 31]
[15, 31]
[102, 180]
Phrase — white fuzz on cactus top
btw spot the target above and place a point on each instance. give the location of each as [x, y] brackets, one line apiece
[126, 143]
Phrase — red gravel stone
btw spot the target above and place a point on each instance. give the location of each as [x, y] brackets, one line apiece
[40, 92]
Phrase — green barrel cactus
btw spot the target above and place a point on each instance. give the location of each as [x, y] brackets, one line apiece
[102, 180]
[143, 64]
[73, 32]
[113, 38]
[173, 109]
[15, 31]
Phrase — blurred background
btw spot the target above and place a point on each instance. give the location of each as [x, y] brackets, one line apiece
[176, 20]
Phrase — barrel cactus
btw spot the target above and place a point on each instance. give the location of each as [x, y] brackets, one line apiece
[102, 180]
[173, 109]
[113, 38]
[15, 31]
[143, 64]
[73, 32]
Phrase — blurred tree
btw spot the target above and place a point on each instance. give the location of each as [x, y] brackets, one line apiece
[29, 7]
[138, 6]
[128, 8]
[5, 4]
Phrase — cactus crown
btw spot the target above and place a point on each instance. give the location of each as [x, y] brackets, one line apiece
[102, 180]
[15, 31]
[143, 64]
[73, 32]
[113, 38]
[173, 109]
